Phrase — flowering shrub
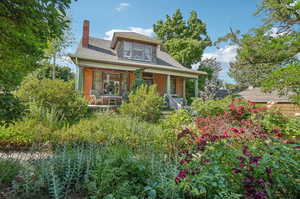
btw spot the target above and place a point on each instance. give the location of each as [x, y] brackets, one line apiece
[233, 155]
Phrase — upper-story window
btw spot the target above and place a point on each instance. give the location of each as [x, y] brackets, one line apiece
[137, 51]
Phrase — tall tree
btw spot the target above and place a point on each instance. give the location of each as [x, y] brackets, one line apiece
[265, 54]
[211, 83]
[56, 49]
[25, 29]
[183, 40]
[269, 47]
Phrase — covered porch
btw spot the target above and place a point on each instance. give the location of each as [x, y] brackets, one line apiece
[104, 87]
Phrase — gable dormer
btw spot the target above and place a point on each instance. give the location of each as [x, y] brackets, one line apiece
[134, 46]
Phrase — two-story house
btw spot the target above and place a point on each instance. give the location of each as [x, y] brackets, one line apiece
[105, 70]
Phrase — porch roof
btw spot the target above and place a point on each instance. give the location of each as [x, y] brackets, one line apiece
[100, 51]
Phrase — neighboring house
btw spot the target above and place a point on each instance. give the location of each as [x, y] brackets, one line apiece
[105, 70]
[272, 99]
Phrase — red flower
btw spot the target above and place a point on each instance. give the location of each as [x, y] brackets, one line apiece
[181, 175]
[251, 103]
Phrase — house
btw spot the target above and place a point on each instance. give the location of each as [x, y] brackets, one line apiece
[272, 100]
[105, 69]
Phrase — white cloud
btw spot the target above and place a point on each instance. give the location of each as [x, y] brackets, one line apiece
[224, 56]
[143, 31]
[122, 6]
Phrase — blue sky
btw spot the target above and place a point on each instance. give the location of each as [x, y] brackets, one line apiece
[107, 16]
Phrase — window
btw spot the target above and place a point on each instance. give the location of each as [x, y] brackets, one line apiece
[97, 82]
[127, 49]
[137, 51]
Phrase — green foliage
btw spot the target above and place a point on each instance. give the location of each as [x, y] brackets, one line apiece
[61, 72]
[286, 81]
[259, 53]
[111, 129]
[184, 40]
[55, 95]
[11, 110]
[292, 128]
[177, 120]
[211, 107]
[34, 130]
[121, 174]
[284, 12]
[9, 169]
[26, 27]
[269, 47]
[138, 81]
[144, 103]
[226, 169]
[59, 175]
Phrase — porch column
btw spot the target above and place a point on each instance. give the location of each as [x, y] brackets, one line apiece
[183, 90]
[196, 88]
[169, 85]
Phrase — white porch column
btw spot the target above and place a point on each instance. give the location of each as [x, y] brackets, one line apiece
[196, 88]
[168, 84]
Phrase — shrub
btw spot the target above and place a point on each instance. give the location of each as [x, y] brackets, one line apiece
[120, 173]
[252, 169]
[9, 169]
[111, 128]
[292, 128]
[211, 107]
[144, 103]
[55, 95]
[11, 110]
[177, 120]
[34, 130]
[234, 155]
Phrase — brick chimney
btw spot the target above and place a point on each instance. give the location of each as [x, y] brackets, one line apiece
[85, 33]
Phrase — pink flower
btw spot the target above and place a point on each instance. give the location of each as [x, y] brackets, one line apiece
[225, 134]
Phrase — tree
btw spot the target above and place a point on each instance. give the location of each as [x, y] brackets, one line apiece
[267, 48]
[211, 83]
[286, 80]
[56, 49]
[281, 13]
[61, 72]
[183, 40]
[25, 28]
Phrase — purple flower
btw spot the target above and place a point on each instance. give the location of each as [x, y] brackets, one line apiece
[269, 170]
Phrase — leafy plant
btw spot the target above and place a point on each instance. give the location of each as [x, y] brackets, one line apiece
[144, 103]
[211, 107]
[59, 175]
[54, 95]
[9, 169]
[11, 110]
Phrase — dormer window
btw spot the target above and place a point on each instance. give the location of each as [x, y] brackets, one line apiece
[136, 51]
